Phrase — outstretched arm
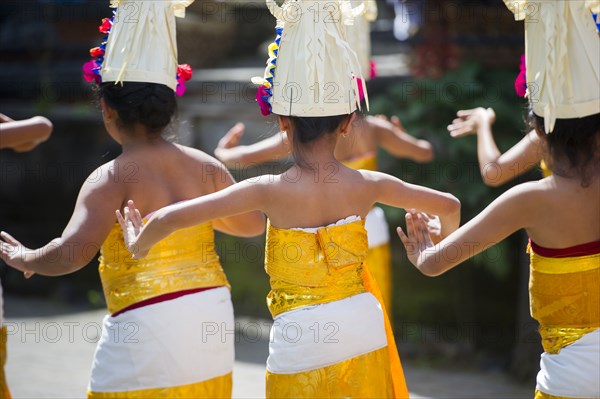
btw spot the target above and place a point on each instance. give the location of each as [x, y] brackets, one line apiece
[392, 191]
[512, 211]
[496, 168]
[23, 135]
[391, 136]
[92, 219]
[234, 155]
[234, 200]
[245, 225]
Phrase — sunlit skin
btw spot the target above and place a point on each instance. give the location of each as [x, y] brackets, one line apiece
[556, 212]
[154, 172]
[298, 197]
[365, 137]
[497, 168]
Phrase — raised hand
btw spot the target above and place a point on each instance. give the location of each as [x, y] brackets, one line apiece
[418, 239]
[396, 122]
[131, 224]
[470, 120]
[12, 252]
[230, 140]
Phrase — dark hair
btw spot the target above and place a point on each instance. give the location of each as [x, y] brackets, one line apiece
[149, 104]
[576, 140]
[309, 129]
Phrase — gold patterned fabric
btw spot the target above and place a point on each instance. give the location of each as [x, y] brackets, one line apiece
[365, 162]
[542, 395]
[379, 260]
[359, 377]
[4, 391]
[564, 298]
[311, 269]
[184, 260]
[219, 387]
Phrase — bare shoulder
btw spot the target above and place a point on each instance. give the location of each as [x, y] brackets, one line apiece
[107, 181]
[198, 155]
[375, 177]
[526, 199]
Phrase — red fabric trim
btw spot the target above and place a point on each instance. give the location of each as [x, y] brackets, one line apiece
[161, 298]
[591, 248]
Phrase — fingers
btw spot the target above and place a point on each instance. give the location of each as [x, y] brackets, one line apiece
[121, 220]
[423, 232]
[410, 226]
[9, 239]
[138, 218]
[134, 214]
[5, 250]
[396, 122]
[459, 130]
[465, 113]
[233, 136]
[404, 238]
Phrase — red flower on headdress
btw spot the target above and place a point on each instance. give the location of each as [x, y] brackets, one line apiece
[106, 25]
[185, 72]
[96, 52]
[521, 81]
[90, 73]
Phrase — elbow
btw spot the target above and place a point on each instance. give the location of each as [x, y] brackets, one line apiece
[256, 226]
[44, 126]
[426, 153]
[430, 271]
[492, 175]
[430, 268]
[452, 205]
[492, 182]
[261, 225]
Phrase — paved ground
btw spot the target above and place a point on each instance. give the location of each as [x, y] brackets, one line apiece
[50, 350]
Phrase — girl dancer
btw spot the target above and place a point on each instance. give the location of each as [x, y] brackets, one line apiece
[358, 150]
[154, 342]
[329, 333]
[560, 213]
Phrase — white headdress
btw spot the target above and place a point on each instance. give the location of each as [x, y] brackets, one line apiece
[359, 34]
[562, 56]
[142, 42]
[312, 71]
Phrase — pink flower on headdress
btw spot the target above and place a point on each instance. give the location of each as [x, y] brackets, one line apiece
[361, 91]
[261, 95]
[521, 81]
[96, 52]
[90, 72]
[373, 72]
[181, 88]
[185, 72]
[106, 25]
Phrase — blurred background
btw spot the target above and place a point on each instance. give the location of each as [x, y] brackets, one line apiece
[434, 57]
